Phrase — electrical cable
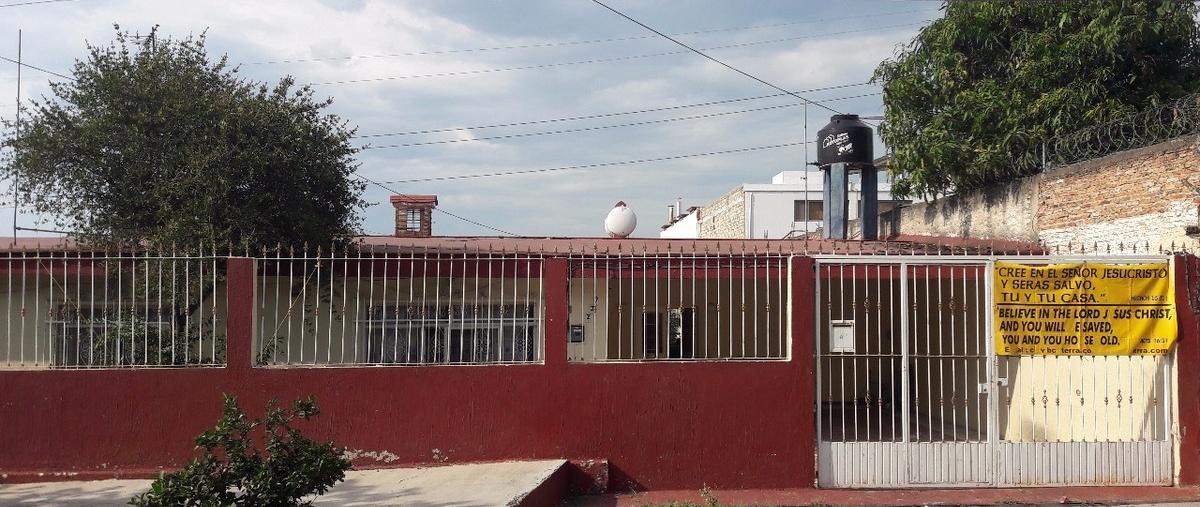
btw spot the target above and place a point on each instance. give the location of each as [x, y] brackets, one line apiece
[596, 165]
[438, 209]
[610, 60]
[604, 115]
[571, 43]
[34, 2]
[39, 69]
[602, 127]
[714, 60]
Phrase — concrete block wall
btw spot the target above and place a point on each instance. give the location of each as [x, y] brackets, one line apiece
[725, 217]
[1005, 212]
[1148, 196]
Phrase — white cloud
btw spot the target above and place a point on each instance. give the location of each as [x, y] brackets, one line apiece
[570, 202]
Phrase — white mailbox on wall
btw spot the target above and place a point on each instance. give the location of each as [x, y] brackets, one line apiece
[841, 336]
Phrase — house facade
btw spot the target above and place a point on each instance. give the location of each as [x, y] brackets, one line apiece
[790, 206]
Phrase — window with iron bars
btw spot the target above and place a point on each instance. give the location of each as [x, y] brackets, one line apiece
[412, 219]
[698, 307]
[102, 335]
[456, 334]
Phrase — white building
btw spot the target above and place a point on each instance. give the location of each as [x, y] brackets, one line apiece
[789, 206]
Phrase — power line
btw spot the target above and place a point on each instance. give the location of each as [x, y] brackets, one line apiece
[34, 2]
[602, 127]
[571, 43]
[607, 60]
[465, 219]
[28, 66]
[438, 209]
[603, 115]
[714, 60]
[596, 165]
[495, 70]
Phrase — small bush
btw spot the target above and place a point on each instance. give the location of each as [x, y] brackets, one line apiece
[234, 471]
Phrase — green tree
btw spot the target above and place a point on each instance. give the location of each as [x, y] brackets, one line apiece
[154, 143]
[234, 471]
[969, 101]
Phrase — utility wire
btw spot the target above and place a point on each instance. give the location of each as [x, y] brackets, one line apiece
[464, 219]
[614, 59]
[602, 127]
[714, 60]
[460, 217]
[28, 66]
[573, 43]
[34, 2]
[600, 164]
[603, 115]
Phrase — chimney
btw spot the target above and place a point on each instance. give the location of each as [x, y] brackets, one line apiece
[414, 215]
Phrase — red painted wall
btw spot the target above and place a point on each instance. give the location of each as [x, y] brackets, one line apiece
[670, 425]
[660, 425]
[1187, 355]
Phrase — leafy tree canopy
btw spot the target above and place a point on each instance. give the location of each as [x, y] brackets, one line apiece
[982, 87]
[154, 143]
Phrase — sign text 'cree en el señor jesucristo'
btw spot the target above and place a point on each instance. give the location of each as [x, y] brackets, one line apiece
[1083, 309]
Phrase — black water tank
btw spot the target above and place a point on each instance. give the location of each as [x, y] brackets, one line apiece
[846, 139]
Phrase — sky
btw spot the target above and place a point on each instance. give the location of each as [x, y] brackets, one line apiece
[400, 66]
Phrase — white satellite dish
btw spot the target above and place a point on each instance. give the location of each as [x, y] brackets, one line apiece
[620, 222]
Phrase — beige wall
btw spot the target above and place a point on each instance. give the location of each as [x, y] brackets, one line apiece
[314, 331]
[947, 352]
[612, 310]
[725, 217]
[1004, 212]
[31, 331]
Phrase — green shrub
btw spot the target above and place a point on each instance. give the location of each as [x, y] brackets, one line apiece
[235, 471]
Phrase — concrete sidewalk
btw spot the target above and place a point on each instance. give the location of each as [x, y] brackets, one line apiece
[518, 483]
[1127, 495]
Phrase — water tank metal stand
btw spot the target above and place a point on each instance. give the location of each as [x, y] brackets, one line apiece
[835, 219]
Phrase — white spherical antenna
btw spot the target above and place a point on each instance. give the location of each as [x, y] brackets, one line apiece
[620, 222]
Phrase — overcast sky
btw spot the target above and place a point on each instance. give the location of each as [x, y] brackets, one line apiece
[799, 45]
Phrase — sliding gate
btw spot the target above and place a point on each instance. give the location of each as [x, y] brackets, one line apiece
[911, 392]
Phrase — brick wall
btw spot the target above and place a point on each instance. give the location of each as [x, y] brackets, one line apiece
[1148, 196]
[725, 217]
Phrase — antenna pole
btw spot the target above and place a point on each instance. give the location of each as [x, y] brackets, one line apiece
[806, 139]
[18, 133]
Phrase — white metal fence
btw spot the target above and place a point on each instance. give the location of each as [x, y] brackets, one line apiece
[405, 309]
[678, 307]
[98, 310]
[911, 391]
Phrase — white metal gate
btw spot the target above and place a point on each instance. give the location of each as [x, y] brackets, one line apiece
[911, 392]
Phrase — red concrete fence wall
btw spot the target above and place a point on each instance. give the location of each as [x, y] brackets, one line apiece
[1187, 357]
[660, 425]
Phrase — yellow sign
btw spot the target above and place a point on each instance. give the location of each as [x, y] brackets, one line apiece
[1083, 309]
